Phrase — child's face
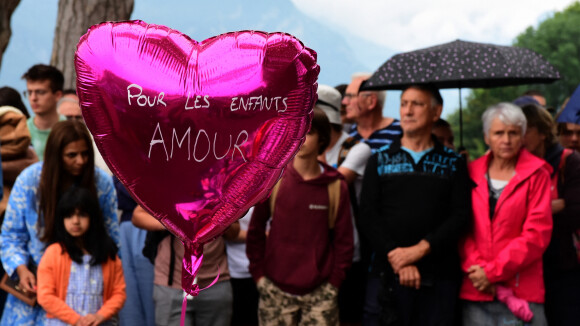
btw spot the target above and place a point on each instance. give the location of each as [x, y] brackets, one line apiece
[311, 145]
[76, 224]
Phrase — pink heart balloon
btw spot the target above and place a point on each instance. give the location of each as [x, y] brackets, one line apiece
[197, 132]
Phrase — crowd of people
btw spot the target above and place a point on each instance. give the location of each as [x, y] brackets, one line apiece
[382, 222]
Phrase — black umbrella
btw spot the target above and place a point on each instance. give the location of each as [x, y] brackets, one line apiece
[461, 64]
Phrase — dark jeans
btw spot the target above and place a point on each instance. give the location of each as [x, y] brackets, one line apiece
[372, 308]
[435, 304]
[563, 298]
[245, 306]
[351, 295]
[497, 313]
[213, 306]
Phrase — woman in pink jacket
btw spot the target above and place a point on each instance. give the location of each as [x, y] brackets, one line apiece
[512, 224]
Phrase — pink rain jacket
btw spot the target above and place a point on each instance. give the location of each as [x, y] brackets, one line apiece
[509, 246]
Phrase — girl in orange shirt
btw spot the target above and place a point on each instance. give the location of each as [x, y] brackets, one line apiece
[80, 278]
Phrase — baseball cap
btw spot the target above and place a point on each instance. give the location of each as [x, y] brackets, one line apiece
[329, 100]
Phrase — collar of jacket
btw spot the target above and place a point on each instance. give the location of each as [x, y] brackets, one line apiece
[526, 165]
[395, 146]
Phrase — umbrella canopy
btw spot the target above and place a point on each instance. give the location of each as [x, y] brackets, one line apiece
[571, 112]
[461, 64]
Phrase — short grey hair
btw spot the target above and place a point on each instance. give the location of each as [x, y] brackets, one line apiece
[434, 94]
[66, 99]
[381, 95]
[508, 113]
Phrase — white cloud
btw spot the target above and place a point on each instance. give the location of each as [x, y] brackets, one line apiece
[399, 26]
[409, 25]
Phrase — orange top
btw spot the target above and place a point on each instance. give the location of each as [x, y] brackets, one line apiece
[53, 276]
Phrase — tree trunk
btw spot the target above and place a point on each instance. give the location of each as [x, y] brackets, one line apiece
[7, 7]
[73, 20]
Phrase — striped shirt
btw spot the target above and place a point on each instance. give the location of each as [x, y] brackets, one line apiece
[381, 137]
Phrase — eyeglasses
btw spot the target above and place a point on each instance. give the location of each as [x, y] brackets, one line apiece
[38, 92]
[350, 96]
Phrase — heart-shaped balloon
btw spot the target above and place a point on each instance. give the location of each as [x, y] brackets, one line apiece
[197, 132]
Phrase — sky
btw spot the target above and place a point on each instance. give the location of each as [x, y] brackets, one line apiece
[400, 26]
[409, 25]
[349, 36]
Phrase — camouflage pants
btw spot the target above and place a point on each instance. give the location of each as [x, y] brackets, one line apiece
[276, 307]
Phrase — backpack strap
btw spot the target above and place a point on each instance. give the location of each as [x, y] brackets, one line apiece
[273, 196]
[345, 148]
[333, 202]
[565, 153]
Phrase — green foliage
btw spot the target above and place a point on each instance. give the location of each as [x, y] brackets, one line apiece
[557, 40]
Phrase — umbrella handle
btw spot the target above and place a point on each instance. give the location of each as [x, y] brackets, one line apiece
[460, 122]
